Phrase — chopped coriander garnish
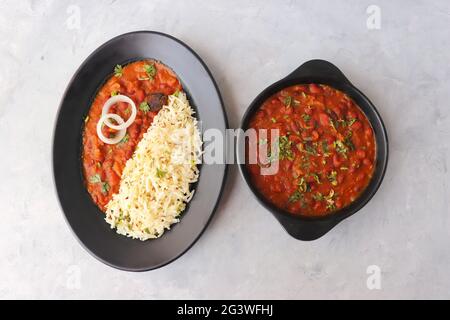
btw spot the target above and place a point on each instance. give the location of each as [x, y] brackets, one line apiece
[330, 195]
[105, 187]
[325, 149]
[114, 93]
[310, 149]
[306, 117]
[351, 121]
[348, 141]
[160, 173]
[333, 125]
[303, 186]
[118, 71]
[341, 122]
[330, 200]
[176, 93]
[288, 101]
[285, 148]
[144, 107]
[95, 179]
[296, 196]
[273, 120]
[332, 178]
[340, 147]
[318, 196]
[316, 177]
[150, 69]
[305, 164]
[125, 139]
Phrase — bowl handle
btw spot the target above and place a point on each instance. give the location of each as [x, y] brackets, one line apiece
[306, 231]
[318, 68]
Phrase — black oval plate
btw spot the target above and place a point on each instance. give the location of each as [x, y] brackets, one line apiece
[82, 215]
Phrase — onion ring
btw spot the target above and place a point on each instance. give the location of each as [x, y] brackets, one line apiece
[114, 100]
[119, 135]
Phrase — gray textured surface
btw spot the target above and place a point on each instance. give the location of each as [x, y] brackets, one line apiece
[403, 68]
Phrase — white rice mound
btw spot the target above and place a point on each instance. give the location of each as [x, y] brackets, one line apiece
[154, 186]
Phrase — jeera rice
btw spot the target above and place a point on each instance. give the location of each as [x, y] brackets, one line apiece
[155, 183]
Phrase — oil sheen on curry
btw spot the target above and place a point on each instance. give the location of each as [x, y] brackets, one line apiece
[148, 83]
[325, 150]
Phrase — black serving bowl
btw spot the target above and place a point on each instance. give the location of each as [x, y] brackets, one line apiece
[319, 72]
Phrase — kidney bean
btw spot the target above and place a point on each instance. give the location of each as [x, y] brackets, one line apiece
[133, 131]
[351, 115]
[140, 94]
[361, 154]
[356, 126]
[288, 110]
[260, 115]
[112, 178]
[129, 87]
[317, 205]
[295, 138]
[329, 139]
[324, 119]
[367, 162]
[295, 207]
[368, 133]
[336, 161]
[117, 168]
[294, 126]
[337, 111]
[115, 87]
[314, 88]
[287, 165]
[360, 176]
[275, 187]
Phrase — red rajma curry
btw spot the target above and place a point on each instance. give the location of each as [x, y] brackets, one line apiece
[326, 150]
[147, 83]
